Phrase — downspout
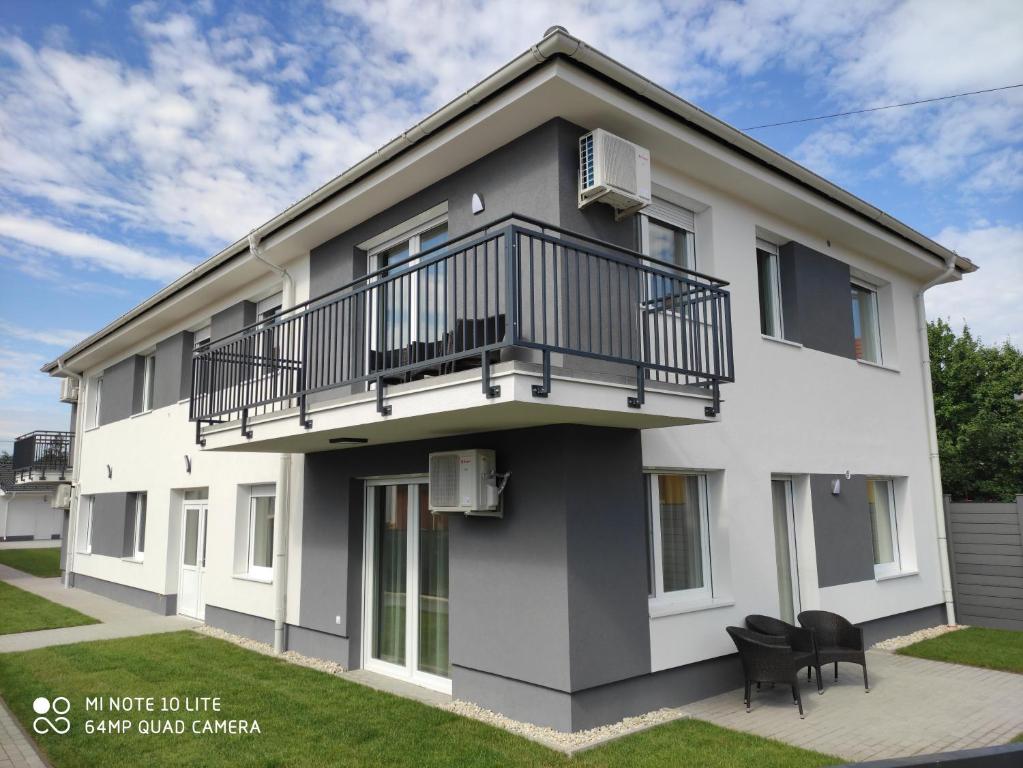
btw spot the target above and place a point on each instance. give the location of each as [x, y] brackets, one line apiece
[72, 520]
[282, 503]
[932, 439]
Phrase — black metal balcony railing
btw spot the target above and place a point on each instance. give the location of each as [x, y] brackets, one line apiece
[41, 456]
[518, 283]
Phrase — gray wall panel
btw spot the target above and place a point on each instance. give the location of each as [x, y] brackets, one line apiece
[64, 539]
[902, 623]
[173, 369]
[165, 605]
[232, 319]
[841, 528]
[122, 390]
[253, 627]
[109, 520]
[822, 312]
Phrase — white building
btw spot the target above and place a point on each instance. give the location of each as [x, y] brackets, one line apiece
[675, 449]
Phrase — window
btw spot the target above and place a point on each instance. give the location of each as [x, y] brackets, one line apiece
[202, 337]
[883, 526]
[149, 383]
[261, 535]
[671, 244]
[85, 525]
[97, 397]
[139, 527]
[769, 279]
[679, 541]
[866, 325]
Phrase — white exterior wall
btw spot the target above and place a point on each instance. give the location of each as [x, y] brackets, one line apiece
[146, 452]
[796, 411]
[29, 514]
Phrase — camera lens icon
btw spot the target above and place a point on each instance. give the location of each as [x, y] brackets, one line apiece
[41, 705]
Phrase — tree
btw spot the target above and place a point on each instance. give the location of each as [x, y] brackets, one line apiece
[980, 423]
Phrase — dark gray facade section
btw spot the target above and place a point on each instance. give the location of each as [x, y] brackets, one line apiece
[122, 390]
[985, 542]
[302, 640]
[110, 522]
[165, 605]
[64, 527]
[253, 627]
[816, 302]
[534, 175]
[876, 630]
[232, 319]
[173, 370]
[526, 602]
[601, 704]
[841, 529]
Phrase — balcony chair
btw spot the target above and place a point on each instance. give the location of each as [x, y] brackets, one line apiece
[802, 641]
[837, 640]
[766, 659]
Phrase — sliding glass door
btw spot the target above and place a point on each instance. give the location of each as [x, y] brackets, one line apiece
[785, 549]
[406, 584]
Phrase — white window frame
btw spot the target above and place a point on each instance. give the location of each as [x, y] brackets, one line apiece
[777, 317]
[655, 545]
[882, 570]
[96, 399]
[139, 528]
[876, 301]
[148, 382]
[85, 526]
[689, 251]
[261, 572]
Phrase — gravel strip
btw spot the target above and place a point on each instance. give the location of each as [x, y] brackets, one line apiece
[894, 643]
[564, 742]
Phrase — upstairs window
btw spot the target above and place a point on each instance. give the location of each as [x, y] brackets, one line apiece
[149, 383]
[866, 324]
[769, 282]
[96, 402]
[671, 244]
[883, 526]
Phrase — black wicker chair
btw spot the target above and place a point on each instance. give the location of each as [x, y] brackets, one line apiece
[837, 640]
[801, 640]
[766, 659]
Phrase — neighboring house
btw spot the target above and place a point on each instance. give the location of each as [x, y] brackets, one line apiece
[254, 447]
[26, 508]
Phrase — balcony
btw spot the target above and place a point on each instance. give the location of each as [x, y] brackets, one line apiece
[518, 324]
[42, 457]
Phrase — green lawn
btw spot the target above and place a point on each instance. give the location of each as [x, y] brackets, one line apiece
[976, 646]
[39, 562]
[21, 611]
[308, 718]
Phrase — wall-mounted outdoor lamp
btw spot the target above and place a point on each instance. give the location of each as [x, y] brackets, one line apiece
[477, 203]
[836, 487]
[110, 472]
[188, 464]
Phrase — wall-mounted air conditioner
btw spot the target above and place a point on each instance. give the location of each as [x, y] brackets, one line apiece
[62, 497]
[464, 482]
[613, 171]
[69, 390]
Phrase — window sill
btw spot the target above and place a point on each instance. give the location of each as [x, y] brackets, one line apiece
[882, 366]
[780, 340]
[661, 607]
[136, 560]
[141, 413]
[899, 575]
[254, 577]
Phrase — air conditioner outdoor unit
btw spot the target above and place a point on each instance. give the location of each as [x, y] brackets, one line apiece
[613, 171]
[464, 482]
[69, 390]
[62, 498]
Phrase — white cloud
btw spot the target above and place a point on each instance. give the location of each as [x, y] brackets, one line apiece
[85, 249]
[49, 337]
[990, 299]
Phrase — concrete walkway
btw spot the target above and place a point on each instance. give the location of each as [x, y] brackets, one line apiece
[914, 707]
[16, 748]
[118, 619]
[31, 544]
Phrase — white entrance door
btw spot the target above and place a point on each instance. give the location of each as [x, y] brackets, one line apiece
[191, 599]
[406, 584]
[785, 549]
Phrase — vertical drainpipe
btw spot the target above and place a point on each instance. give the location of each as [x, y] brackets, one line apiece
[282, 502]
[72, 521]
[932, 441]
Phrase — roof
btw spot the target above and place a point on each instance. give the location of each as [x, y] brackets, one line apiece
[556, 43]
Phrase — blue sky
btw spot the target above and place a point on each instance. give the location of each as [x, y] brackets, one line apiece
[137, 139]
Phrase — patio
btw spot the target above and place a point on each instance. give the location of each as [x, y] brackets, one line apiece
[914, 707]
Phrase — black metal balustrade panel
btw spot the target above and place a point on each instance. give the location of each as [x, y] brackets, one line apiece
[520, 283]
[42, 455]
